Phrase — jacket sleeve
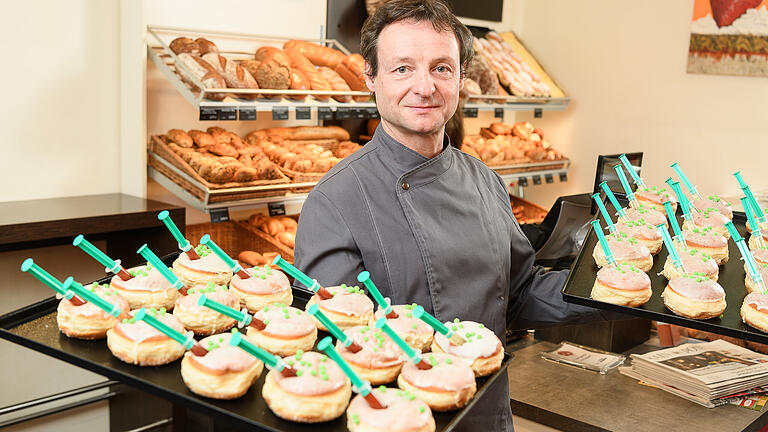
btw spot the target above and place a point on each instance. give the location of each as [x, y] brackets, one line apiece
[325, 249]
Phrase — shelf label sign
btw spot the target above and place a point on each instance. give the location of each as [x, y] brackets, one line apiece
[470, 112]
[276, 209]
[279, 113]
[537, 179]
[324, 113]
[498, 113]
[303, 113]
[209, 114]
[549, 178]
[343, 113]
[523, 181]
[247, 113]
[219, 215]
[372, 112]
[228, 113]
[563, 177]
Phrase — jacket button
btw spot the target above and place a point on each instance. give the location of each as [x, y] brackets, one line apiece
[406, 186]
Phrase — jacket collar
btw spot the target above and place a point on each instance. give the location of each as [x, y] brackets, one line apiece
[408, 162]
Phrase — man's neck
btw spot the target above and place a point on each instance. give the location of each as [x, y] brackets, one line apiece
[428, 146]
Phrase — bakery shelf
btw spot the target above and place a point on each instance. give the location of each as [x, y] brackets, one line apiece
[243, 45]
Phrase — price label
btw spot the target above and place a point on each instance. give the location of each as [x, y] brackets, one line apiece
[247, 113]
[279, 113]
[498, 113]
[209, 114]
[219, 215]
[324, 113]
[563, 177]
[536, 179]
[343, 113]
[303, 113]
[523, 181]
[470, 112]
[276, 209]
[549, 178]
[537, 112]
[372, 112]
[360, 113]
[228, 113]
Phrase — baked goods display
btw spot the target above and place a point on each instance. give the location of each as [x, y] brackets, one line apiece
[224, 372]
[695, 297]
[86, 320]
[517, 144]
[482, 349]
[348, 307]
[695, 262]
[402, 412]
[448, 385]
[136, 342]
[287, 330]
[265, 286]
[511, 69]
[623, 285]
[201, 320]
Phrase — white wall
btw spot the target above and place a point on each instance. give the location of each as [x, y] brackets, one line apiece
[624, 66]
[61, 107]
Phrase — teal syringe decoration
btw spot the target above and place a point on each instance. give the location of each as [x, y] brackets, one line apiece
[754, 273]
[675, 226]
[412, 354]
[673, 255]
[186, 340]
[682, 199]
[358, 384]
[91, 297]
[753, 223]
[625, 184]
[748, 192]
[272, 362]
[603, 242]
[638, 181]
[611, 227]
[384, 303]
[732, 231]
[301, 277]
[688, 185]
[314, 310]
[242, 317]
[612, 198]
[420, 313]
[43, 276]
[184, 244]
[109, 264]
[151, 258]
[234, 265]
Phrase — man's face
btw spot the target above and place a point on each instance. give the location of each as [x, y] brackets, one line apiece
[418, 80]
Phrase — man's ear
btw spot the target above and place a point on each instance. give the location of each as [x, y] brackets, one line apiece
[461, 82]
[368, 78]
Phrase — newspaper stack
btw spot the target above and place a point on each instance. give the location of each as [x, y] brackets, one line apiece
[706, 373]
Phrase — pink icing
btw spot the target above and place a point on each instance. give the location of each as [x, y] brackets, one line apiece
[308, 384]
[372, 355]
[452, 376]
[402, 413]
[757, 300]
[651, 216]
[625, 250]
[761, 255]
[90, 309]
[222, 356]
[710, 219]
[297, 325]
[263, 281]
[482, 343]
[210, 263]
[639, 230]
[153, 281]
[346, 303]
[704, 238]
[706, 289]
[141, 331]
[624, 278]
[404, 323]
[656, 196]
[224, 296]
[696, 264]
[713, 202]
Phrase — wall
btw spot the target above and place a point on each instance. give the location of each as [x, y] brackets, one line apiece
[61, 110]
[624, 65]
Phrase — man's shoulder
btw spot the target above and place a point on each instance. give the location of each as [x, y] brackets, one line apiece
[339, 180]
[479, 170]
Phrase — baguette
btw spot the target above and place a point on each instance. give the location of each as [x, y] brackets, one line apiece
[351, 70]
[234, 75]
[299, 81]
[309, 133]
[192, 67]
[317, 54]
[316, 81]
[336, 81]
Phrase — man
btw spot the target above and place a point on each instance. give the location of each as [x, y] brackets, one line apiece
[431, 224]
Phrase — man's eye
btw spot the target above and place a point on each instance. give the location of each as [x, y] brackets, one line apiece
[401, 69]
[443, 69]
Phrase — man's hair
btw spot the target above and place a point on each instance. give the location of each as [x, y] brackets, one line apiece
[435, 12]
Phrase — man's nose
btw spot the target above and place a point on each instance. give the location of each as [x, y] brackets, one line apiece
[423, 84]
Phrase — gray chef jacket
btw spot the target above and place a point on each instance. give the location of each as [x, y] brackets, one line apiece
[438, 232]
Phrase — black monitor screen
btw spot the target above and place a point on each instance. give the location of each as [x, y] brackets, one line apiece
[488, 10]
[607, 173]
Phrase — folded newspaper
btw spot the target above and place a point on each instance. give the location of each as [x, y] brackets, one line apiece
[706, 373]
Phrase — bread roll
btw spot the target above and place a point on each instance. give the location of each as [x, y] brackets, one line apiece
[251, 258]
[287, 239]
[180, 137]
[272, 227]
[257, 219]
[289, 223]
[185, 45]
[202, 139]
[317, 54]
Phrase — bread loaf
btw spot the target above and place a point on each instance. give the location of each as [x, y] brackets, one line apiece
[319, 55]
[180, 137]
[251, 258]
[316, 81]
[336, 81]
[234, 75]
[256, 219]
[274, 72]
[286, 238]
[206, 46]
[290, 224]
[309, 133]
[191, 68]
[185, 45]
[351, 69]
[202, 139]
[299, 81]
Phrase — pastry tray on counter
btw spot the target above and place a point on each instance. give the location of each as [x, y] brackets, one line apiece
[578, 287]
[35, 327]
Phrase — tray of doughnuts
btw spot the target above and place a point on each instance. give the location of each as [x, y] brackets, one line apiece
[245, 392]
[725, 315]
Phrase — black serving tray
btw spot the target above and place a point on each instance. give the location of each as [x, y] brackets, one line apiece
[35, 327]
[578, 287]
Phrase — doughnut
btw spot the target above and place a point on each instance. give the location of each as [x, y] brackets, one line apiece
[708, 241]
[654, 197]
[749, 283]
[264, 287]
[624, 285]
[694, 297]
[88, 321]
[448, 385]
[753, 245]
[695, 262]
[763, 225]
[754, 311]
[646, 234]
[201, 320]
[650, 215]
[415, 332]
[403, 412]
[761, 256]
[209, 268]
[226, 372]
[625, 249]
[147, 288]
[138, 343]
[288, 330]
[379, 361]
[319, 392]
[348, 307]
[708, 219]
[714, 202]
[483, 348]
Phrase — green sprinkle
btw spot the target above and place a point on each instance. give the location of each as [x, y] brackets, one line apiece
[479, 336]
[355, 419]
[343, 286]
[414, 326]
[400, 393]
[421, 409]
[481, 326]
[299, 353]
[449, 361]
[132, 320]
[313, 372]
[461, 326]
[299, 373]
[410, 396]
[325, 377]
[290, 362]
[375, 349]
[233, 331]
[262, 277]
[454, 328]
[366, 328]
[456, 320]
[382, 389]
[365, 339]
[125, 320]
[266, 309]
[266, 322]
[322, 360]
